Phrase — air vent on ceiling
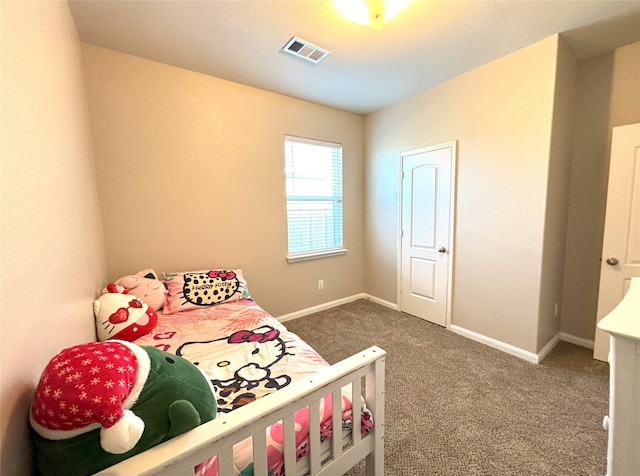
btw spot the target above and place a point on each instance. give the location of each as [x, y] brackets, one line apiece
[305, 50]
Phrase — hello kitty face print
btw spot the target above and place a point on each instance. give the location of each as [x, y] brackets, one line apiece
[240, 365]
[198, 289]
[122, 316]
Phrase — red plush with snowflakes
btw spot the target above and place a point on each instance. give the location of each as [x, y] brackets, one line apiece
[91, 386]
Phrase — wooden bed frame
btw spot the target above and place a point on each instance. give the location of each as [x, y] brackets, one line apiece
[333, 457]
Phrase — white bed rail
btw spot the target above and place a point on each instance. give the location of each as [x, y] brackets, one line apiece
[623, 421]
[334, 456]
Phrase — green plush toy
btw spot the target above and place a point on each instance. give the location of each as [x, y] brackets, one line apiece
[99, 403]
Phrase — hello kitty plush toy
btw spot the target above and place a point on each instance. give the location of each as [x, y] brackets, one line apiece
[122, 316]
[127, 308]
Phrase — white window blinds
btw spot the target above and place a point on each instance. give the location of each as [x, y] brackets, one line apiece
[314, 197]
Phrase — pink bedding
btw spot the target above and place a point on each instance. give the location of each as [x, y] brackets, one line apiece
[247, 354]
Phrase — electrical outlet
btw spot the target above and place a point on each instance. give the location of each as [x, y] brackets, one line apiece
[321, 284]
[556, 310]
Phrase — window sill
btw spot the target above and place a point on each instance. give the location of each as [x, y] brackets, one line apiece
[316, 255]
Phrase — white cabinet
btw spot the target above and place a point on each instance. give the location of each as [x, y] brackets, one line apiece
[623, 326]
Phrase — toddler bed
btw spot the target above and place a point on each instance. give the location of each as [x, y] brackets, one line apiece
[250, 355]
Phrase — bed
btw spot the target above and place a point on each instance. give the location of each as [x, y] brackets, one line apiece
[249, 355]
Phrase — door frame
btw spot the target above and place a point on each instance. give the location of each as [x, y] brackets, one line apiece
[619, 210]
[452, 216]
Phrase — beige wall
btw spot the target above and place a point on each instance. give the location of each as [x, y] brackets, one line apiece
[608, 95]
[501, 114]
[557, 201]
[52, 262]
[625, 88]
[191, 175]
[588, 190]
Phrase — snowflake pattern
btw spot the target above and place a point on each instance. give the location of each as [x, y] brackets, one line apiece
[85, 384]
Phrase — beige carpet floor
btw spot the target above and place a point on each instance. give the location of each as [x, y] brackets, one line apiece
[458, 407]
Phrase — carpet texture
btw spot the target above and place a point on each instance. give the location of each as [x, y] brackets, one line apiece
[458, 407]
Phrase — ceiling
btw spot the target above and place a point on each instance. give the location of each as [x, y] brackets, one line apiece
[428, 43]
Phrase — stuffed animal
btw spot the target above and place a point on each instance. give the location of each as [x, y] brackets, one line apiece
[144, 285]
[99, 403]
[122, 316]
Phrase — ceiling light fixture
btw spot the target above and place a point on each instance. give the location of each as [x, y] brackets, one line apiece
[372, 13]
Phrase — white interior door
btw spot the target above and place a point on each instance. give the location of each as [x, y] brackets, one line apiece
[426, 233]
[621, 245]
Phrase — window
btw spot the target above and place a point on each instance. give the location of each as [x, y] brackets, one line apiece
[314, 198]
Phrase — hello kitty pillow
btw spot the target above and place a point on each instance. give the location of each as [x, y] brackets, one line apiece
[122, 316]
[196, 289]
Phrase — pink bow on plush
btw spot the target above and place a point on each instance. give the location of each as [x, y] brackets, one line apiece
[115, 288]
[250, 336]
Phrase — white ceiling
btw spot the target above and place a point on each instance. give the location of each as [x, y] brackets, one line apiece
[428, 43]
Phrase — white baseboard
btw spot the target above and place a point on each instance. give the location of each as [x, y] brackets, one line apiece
[516, 351]
[320, 307]
[382, 302]
[576, 340]
[496, 344]
[549, 347]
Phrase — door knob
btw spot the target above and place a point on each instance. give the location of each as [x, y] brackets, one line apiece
[612, 261]
[442, 249]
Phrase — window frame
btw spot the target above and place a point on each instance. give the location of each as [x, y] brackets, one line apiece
[308, 254]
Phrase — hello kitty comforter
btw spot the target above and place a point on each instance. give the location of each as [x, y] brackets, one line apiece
[247, 354]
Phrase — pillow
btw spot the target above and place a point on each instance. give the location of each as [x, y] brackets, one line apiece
[196, 289]
[122, 316]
